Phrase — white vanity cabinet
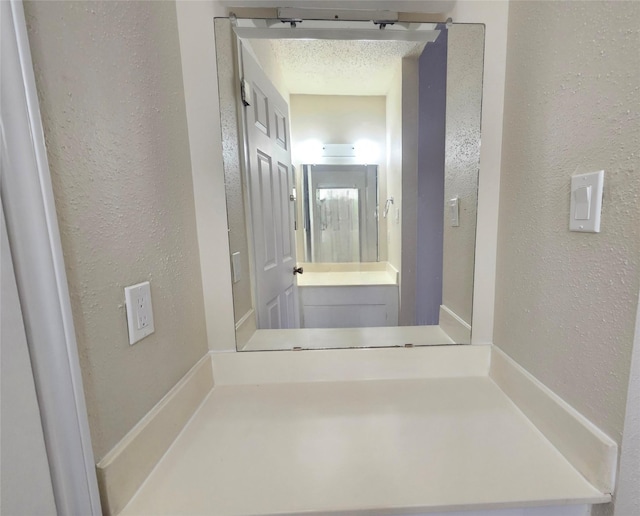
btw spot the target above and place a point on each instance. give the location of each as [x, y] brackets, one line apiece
[349, 306]
[348, 295]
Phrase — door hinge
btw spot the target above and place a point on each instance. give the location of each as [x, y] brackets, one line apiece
[245, 92]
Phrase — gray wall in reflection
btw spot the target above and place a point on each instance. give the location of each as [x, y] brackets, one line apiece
[431, 147]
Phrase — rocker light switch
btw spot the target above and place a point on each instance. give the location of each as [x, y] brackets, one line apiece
[583, 203]
[235, 267]
[454, 212]
[586, 202]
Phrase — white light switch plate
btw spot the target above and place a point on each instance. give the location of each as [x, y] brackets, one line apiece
[454, 212]
[139, 311]
[235, 267]
[586, 202]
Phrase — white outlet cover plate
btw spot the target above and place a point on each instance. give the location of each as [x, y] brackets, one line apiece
[139, 311]
[594, 181]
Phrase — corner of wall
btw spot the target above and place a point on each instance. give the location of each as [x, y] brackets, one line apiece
[198, 54]
[409, 206]
[494, 15]
[123, 470]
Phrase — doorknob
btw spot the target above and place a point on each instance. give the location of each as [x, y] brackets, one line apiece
[297, 270]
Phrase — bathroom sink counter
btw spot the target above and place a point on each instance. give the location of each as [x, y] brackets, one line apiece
[346, 278]
[395, 446]
[332, 338]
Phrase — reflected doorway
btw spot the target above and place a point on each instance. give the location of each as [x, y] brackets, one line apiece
[340, 206]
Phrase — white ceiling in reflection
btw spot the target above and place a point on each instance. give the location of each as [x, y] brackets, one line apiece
[339, 67]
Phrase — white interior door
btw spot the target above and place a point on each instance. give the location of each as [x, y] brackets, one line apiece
[270, 189]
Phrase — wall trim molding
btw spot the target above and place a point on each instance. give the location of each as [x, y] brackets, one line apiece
[123, 470]
[245, 328]
[41, 278]
[593, 453]
[340, 365]
[453, 325]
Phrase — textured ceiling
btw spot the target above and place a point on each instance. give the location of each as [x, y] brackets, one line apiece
[339, 67]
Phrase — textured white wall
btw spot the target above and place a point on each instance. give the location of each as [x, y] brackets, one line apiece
[337, 119]
[233, 184]
[112, 104]
[465, 53]
[566, 302]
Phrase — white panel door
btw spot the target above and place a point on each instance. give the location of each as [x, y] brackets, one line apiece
[270, 187]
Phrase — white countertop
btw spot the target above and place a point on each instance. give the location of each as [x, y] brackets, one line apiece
[332, 338]
[346, 278]
[365, 447]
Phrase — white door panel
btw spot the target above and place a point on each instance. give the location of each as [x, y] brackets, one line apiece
[288, 249]
[290, 304]
[270, 185]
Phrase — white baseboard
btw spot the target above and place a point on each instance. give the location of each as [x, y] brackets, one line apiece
[340, 365]
[123, 470]
[245, 328]
[586, 447]
[458, 329]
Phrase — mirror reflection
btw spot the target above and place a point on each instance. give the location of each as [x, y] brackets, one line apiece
[340, 213]
[351, 174]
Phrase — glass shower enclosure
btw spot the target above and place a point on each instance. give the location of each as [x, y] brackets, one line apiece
[340, 205]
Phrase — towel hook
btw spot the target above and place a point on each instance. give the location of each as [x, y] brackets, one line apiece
[387, 205]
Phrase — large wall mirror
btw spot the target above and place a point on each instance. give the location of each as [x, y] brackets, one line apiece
[351, 155]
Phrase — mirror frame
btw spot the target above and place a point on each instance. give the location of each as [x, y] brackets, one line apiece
[294, 341]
